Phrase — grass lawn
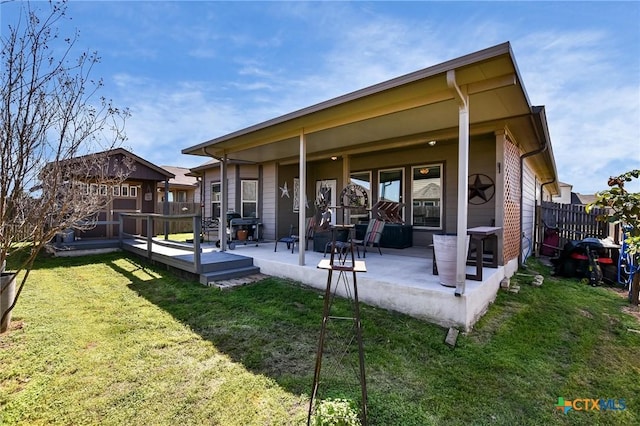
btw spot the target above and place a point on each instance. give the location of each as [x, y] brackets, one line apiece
[110, 340]
[182, 237]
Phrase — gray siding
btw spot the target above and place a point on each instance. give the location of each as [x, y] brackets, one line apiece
[529, 191]
[482, 160]
[270, 192]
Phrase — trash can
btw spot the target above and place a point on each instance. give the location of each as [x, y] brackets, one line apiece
[445, 250]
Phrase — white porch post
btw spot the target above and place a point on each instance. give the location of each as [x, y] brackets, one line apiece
[302, 212]
[224, 187]
[460, 94]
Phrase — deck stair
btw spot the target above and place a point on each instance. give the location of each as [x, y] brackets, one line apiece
[226, 266]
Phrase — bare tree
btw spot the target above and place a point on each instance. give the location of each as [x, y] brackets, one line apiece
[51, 122]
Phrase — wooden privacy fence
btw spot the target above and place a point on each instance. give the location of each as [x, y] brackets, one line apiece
[572, 222]
[175, 209]
[20, 233]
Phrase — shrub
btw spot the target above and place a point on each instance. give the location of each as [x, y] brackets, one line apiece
[336, 412]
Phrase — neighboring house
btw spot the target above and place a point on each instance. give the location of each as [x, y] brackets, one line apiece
[465, 126]
[137, 194]
[243, 182]
[183, 188]
[567, 196]
[582, 199]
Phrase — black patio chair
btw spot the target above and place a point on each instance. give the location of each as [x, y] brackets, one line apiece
[290, 240]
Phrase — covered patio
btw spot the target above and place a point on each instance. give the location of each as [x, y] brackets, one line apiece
[463, 126]
[466, 117]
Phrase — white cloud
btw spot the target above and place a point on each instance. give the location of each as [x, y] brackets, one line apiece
[256, 70]
[203, 53]
[166, 119]
[593, 108]
[257, 86]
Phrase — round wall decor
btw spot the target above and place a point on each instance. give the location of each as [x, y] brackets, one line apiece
[354, 196]
[481, 189]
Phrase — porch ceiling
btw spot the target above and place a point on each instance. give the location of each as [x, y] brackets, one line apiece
[407, 110]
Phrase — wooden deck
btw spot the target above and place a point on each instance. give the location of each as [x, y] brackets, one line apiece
[214, 265]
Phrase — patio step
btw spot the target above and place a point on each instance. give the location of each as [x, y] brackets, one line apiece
[229, 273]
[224, 265]
[224, 261]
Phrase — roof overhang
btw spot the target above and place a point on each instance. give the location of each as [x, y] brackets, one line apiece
[112, 153]
[545, 163]
[407, 110]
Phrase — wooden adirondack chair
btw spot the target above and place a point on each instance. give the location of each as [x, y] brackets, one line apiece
[371, 237]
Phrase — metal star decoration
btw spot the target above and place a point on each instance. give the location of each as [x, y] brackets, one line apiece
[481, 189]
[284, 191]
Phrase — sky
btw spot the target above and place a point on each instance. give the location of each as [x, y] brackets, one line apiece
[190, 71]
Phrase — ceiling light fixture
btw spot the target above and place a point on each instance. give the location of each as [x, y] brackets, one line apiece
[334, 158]
[432, 143]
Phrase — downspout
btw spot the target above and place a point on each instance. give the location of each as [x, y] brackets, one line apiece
[544, 184]
[222, 228]
[543, 148]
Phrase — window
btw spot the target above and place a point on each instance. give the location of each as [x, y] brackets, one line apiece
[133, 191]
[249, 198]
[426, 194]
[93, 188]
[81, 188]
[390, 185]
[103, 190]
[364, 180]
[216, 200]
[124, 190]
[181, 196]
[116, 191]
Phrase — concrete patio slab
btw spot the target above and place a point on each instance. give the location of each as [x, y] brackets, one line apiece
[399, 280]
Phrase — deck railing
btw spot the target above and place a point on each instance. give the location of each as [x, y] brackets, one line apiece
[175, 209]
[150, 218]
